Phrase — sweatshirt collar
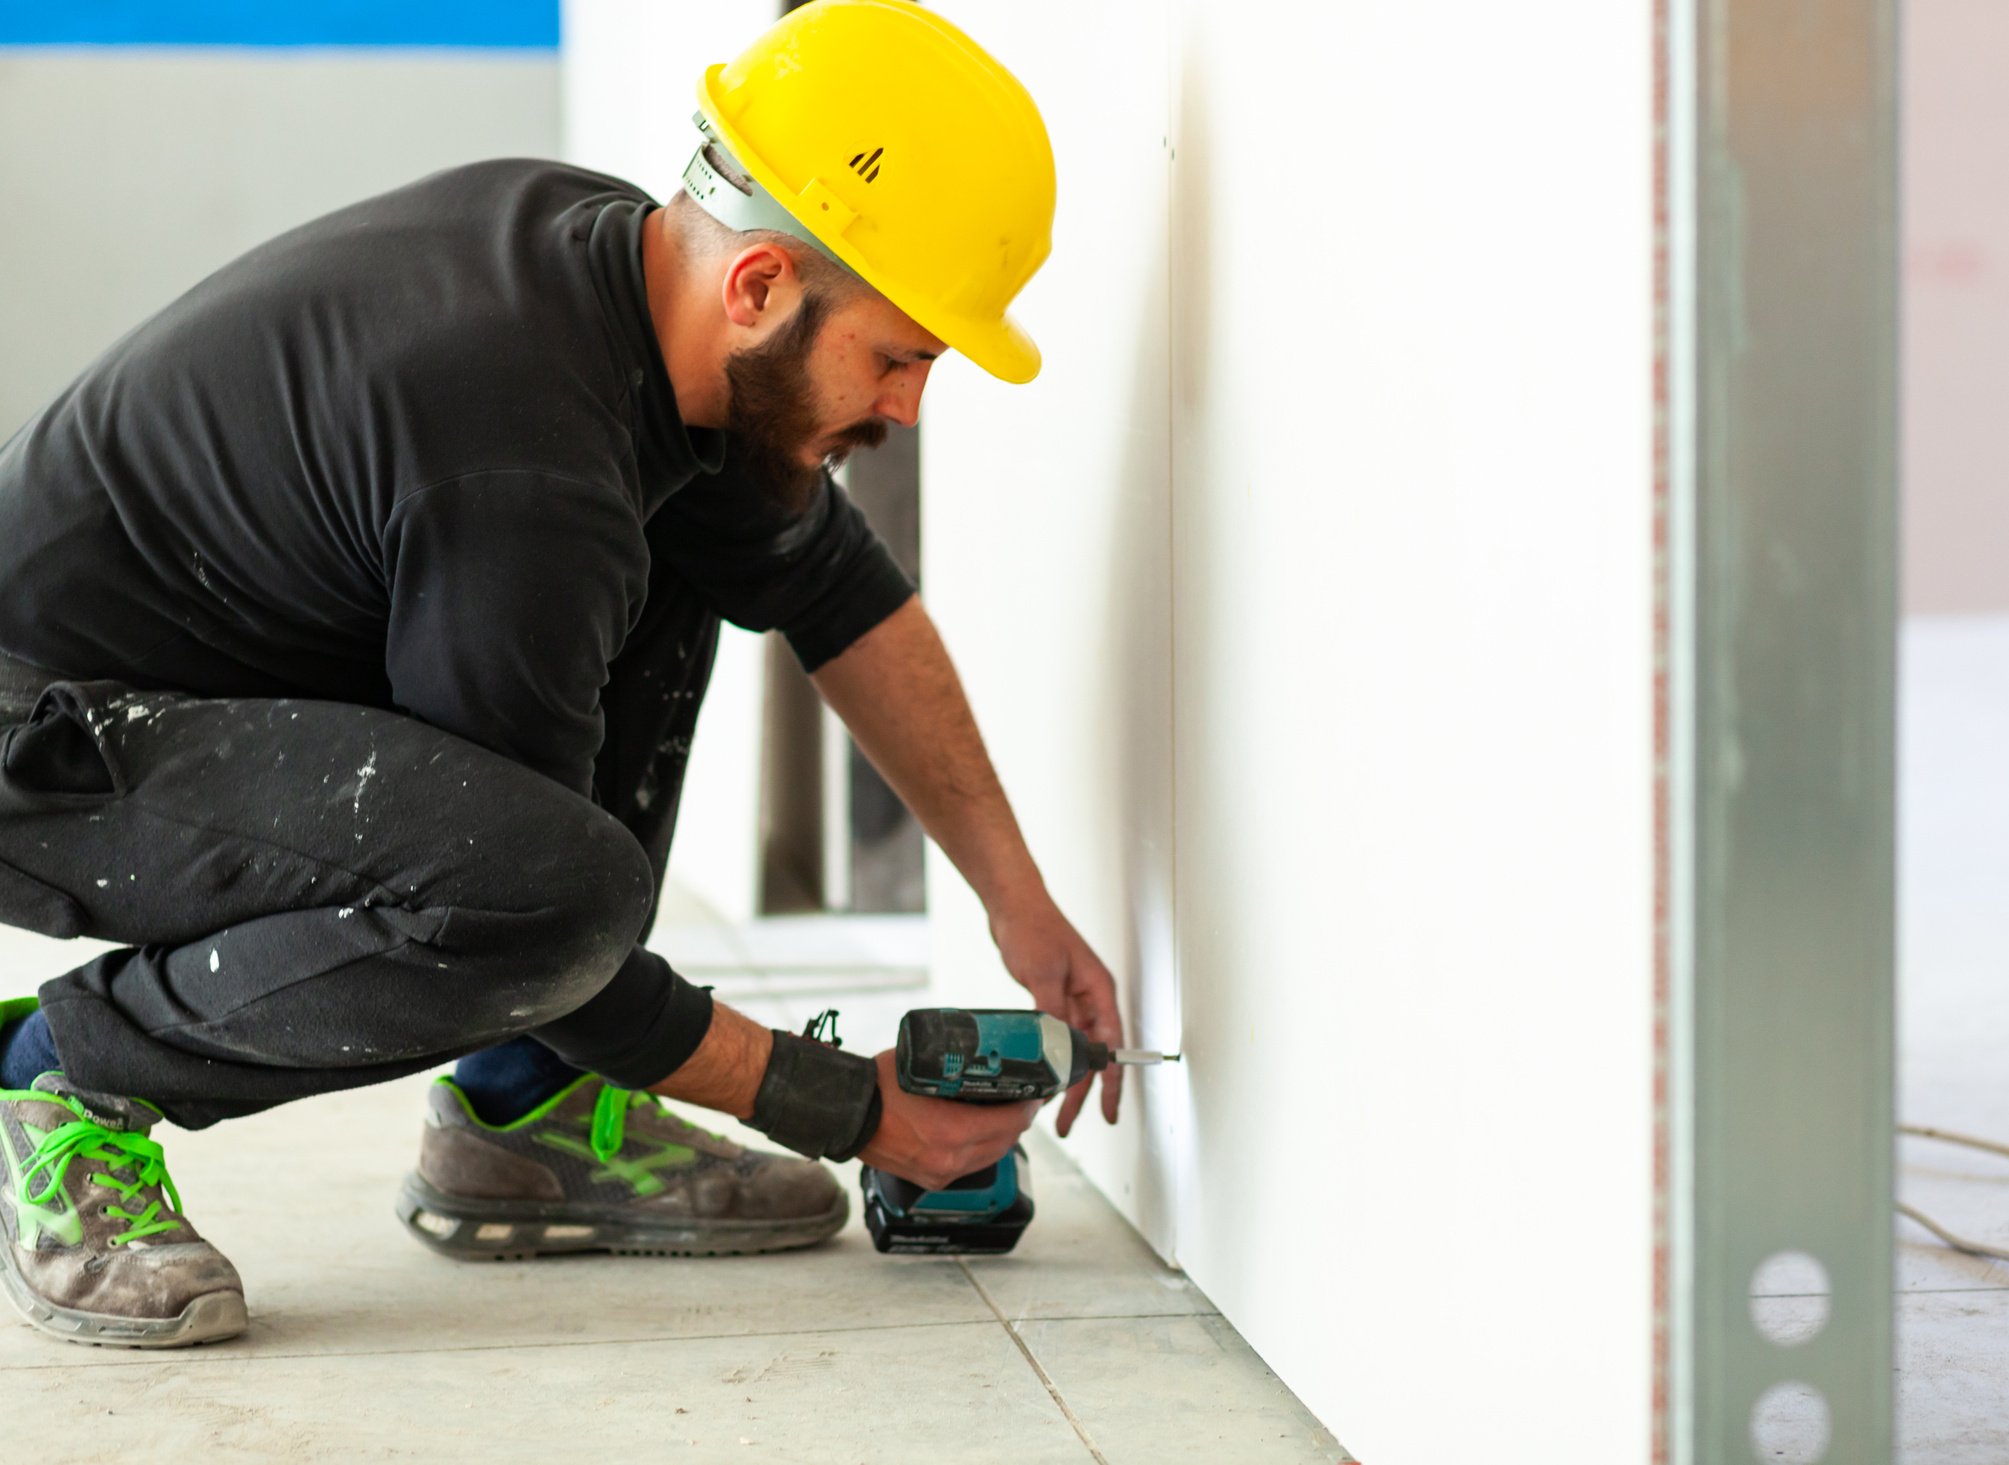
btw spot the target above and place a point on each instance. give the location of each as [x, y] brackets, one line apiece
[668, 453]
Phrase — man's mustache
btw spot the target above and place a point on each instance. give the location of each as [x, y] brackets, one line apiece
[863, 435]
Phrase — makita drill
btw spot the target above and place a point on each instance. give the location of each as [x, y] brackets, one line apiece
[978, 1056]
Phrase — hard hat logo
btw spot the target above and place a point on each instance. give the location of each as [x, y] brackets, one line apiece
[948, 213]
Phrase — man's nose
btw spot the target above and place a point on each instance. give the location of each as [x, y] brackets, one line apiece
[901, 401]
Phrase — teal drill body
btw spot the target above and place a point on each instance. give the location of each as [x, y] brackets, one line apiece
[977, 1056]
[983, 1056]
[992, 1055]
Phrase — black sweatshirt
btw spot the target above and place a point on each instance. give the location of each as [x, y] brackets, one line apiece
[404, 455]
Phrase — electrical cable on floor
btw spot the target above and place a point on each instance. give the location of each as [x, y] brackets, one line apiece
[1974, 1248]
[1954, 1137]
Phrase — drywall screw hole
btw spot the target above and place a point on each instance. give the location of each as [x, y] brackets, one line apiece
[1789, 1425]
[1789, 1298]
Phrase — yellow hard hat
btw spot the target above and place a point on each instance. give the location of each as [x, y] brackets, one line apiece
[901, 149]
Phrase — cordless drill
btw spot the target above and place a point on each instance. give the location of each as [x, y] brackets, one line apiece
[978, 1056]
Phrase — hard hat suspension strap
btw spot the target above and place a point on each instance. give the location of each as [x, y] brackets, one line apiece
[752, 207]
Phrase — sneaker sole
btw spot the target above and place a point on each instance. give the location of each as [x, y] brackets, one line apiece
[474, 1230]
[209, 1319]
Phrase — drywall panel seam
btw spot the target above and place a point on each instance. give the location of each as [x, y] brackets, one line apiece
[1674, 832]
[1176, 1154]
[1660, 729]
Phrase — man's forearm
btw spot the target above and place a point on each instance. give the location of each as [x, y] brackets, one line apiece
[725, 1071]
[898, 692]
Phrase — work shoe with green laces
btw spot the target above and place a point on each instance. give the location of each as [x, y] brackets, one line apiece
[600, 1168]
[93, 1245]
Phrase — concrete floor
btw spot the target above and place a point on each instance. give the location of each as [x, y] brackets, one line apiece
[1081, 1346]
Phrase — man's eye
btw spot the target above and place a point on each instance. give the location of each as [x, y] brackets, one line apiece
[887, 364]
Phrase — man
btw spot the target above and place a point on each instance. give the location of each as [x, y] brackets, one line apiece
[354, 616]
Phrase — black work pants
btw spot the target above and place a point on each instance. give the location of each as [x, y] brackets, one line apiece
[315, 895]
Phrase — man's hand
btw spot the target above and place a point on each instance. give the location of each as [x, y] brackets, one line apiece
[1046, 955]
[935, 1141]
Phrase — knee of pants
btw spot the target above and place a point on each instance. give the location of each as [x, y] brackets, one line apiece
[593, 896]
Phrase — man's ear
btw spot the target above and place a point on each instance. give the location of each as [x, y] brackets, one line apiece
[760, 283]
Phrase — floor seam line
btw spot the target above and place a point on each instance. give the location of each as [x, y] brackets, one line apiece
[1039, 1371]
[1936, 1291]
[1899, 1292]
[144, 1357]
[140, 1357]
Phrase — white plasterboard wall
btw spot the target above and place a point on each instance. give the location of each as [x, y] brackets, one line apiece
[1395, 321]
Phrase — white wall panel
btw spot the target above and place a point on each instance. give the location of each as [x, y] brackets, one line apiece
[1402, 351]
[1412, 356]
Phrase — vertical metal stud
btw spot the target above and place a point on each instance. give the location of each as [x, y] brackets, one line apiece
[1778, 357]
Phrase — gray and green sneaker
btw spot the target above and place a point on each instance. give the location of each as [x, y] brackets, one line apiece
[600, 1168]
[93, 1245]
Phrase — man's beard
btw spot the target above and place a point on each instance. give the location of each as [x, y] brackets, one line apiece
[772, 415]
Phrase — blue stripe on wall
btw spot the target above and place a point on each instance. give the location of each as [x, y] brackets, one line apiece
[509, 24]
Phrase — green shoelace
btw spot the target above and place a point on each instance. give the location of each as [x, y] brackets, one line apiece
[118, 1152]
[610, 1120]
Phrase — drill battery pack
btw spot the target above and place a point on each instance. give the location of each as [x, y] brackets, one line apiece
[983, 1214]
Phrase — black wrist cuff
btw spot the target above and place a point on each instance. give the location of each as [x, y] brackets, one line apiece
[816, 1100]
